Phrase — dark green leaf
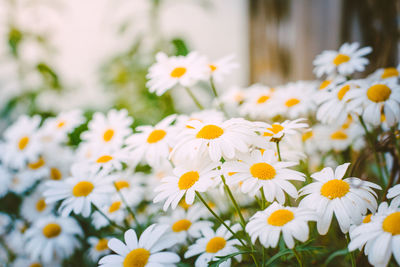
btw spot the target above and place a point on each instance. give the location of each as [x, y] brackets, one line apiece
[221, 259]
[336, 254]
[180, 47]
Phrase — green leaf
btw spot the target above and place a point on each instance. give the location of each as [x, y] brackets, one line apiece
[180, 47]
[225, 258]
[14, 39]
[49, 75]
[278, 255]
[336, 254]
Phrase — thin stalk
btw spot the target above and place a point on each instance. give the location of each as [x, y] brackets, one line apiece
[279, 151]
[200, 106]
[263, 202]
[130, 211]
[352, 259]
[111, 222]
[297, 256]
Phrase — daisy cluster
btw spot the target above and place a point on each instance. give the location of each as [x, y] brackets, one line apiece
[263, 171]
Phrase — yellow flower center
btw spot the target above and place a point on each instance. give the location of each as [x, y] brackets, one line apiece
[212, 67]
[155, 136]
[262, 99]
[137, 258]
[114, 206]
[340, 59]
[108, 135]
[280, 217]
[181, 225]
[82, 189]
[306, 136]
[51, 230]
[23, 142]
[339, 135]
[324, 84]
[122, 184]
[342, 92]
[178, 72]
[335, 189]
[275, 128]
[389, 72]
[378, 93]
[391, 223]
[263, 171]
[102, 244]
[292, 102]
[187, 180]
[367, 218]
[215, 244]
[61, 124]
[36, 165]
[55, 174]
[210, 132]
[40, 205]
[36, 264]
[104, 159]
[348, 122]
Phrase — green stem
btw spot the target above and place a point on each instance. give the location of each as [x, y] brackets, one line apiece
[263, 204]
[200, 106]
[279, 151]
[297, 256]
[111, 222]
[352, 259]
[130, 211]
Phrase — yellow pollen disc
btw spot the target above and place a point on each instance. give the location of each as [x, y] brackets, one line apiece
[122, 184]
[51, 230]
[340, 59]
[292, 102]
[378, 93]
[339, 135]
[137, 258]
[324, 84]
[335, 189]
[276, 128]
[61, 124]
[389, 72]
[114, 206]
[306, 136]
[178, 72]
[55, 174]
[212, 67]
[36, 264]
[188, 179]
[36, 165]
[40, 205]
[391, 223]
[210, 132]
[108, 135]
[155, 136]
[104, 159]
[263, 171]
[215, 244]
[82, 189]
[23, 142]
[102, 245]
[231, 173]
[184, 205]
[181, 225]
[262, 99]
[342, 92]
[367, 218]
[211, 204]
[280, 217]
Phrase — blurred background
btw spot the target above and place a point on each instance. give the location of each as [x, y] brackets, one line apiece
[94, 54]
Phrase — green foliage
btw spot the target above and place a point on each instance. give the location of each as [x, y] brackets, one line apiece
[180, 46]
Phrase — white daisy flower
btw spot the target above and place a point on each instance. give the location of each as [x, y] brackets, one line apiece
[15, 236]
[232, 99]
[147, 251]
[394, 194]
[115, 212]
[152, 143]
[217, 140]
[185, 224]
[59, 166]
[213, 245]
[34, 206]
[222, 67]
[169, 72]
[257, 102]
[21, 142]
[381, 236]
[268, 224]
[130, 186]
[23, 261]
[5, 222]
[80, 191]
[205, 116]
[108, 159]
[347, 60]
[52, 238]
[374, 99]
[5, 180]
[38, 169]
[330, 83]
[263, 170]
[98, 247]
[197, 175]
[108, 130]
[22, 181]
[277, 131]
[349, 199]
[390, 73]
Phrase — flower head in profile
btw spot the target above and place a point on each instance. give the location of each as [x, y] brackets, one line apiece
[222, 67]
[277, 131]
[349, 199]
[147, 251]
[268, 224]
[169, 72]
[346, 61]
[394, 195]
[256, 102]
[98, 247]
